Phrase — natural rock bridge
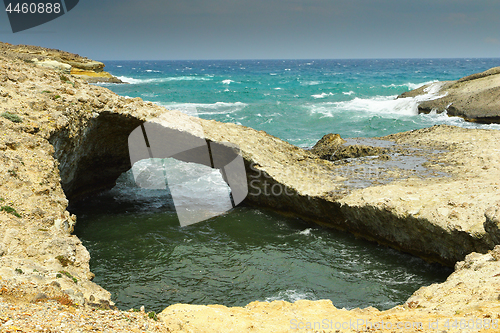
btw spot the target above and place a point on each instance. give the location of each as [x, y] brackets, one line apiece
[414, 191]
[432, 192]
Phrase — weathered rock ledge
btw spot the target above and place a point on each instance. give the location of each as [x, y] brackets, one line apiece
[475, 97]
[67, 63]
[433, 192]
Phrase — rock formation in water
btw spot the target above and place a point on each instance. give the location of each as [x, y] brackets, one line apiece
[475, 97]
[433, 192]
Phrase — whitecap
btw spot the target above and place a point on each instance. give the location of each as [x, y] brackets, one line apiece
[443, 118]
[349, 93]
[206, 108]
[183, 78]
[409, 85]
[129, 80]
[227, 81]
[162, 79]
[290, 295]
[311, 83]
[380, 105]
[322, 95]
[306, 232]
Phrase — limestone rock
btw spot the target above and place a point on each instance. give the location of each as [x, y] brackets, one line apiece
[431, 198]
[53, 64]
[327, 146]
[492, 223]
[475, 97]
[86, 69]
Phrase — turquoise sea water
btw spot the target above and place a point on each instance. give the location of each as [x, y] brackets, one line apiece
[141, 254]
[297, 100]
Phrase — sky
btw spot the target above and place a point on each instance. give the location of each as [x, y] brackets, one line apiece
[270, 29]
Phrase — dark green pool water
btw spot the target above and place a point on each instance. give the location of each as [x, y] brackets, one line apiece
[142, 256]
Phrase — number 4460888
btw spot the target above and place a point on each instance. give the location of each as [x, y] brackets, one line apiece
[33, 8]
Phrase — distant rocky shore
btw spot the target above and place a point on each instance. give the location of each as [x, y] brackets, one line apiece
[64, 62]
[433, 192]
[475, 97]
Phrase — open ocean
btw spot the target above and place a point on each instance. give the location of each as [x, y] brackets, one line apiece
[141, 254]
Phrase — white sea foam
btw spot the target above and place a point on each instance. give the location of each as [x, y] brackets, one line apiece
[349, 93]
[311, 83]
[305, 232]
[129, 80]
[323, 95]
[227, 81]
[162, 79]
[409, 85]
[206, 108]
[190, 182]
[380, 105]
[434, 118]
[290, 295]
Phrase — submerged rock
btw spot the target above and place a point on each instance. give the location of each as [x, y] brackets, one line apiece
[327, 146]
[332, 147]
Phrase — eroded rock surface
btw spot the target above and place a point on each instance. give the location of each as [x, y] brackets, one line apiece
[431, 192]
[61, 61]
[466, 302]
[475, 97]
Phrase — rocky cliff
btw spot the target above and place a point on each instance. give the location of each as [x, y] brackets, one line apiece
[475, 97]
[61, 61]
[433, 192]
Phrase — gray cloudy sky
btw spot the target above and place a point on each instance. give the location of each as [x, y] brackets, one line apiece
[270, 29]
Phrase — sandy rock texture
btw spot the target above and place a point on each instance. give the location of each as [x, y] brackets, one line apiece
[61, 61]
[433, 192]
[475, 97]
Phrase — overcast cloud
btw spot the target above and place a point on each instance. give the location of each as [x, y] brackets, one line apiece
[270, 29]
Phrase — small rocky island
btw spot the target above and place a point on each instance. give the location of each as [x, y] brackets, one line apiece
[433, 192]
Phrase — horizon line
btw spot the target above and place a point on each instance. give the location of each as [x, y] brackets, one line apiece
[295, 59]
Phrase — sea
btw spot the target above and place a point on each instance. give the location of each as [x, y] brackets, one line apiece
[141, 254]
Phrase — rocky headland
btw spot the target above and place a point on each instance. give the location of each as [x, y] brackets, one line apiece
[60, 61]
[433, 192]
[475, 97]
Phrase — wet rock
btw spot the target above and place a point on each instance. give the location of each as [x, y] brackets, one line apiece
[475, 97]
[327, 146]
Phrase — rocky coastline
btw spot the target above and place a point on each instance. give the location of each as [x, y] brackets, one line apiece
[433, 192]
[64, 62]
[475, 97]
